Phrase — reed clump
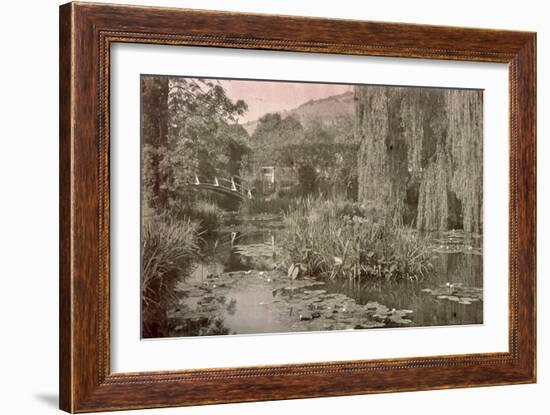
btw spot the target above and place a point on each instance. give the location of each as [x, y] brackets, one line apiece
[167, 247]
[338, 239]
[208, 215]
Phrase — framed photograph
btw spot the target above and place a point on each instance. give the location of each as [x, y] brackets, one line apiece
[258, 207]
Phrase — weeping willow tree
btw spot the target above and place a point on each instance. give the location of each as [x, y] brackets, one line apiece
[420, 158]
[382, 162]
[465, 140]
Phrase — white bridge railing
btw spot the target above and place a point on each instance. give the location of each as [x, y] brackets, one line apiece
[225, 185]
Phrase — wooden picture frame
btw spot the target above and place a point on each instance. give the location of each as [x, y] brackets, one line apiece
[86, 33]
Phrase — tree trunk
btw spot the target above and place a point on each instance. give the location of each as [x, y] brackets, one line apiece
[154, 127]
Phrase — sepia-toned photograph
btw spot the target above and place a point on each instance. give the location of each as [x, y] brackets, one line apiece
[281, 207]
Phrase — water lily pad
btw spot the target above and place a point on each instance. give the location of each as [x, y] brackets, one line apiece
[456, 293]
[398, 316]
[300, 305]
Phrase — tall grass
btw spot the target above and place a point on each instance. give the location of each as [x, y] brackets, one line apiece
[207, 215]
[335, 239]
[167, 247]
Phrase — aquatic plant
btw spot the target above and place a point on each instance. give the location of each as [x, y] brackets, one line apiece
[274, 205]
[207, 215]
[167, 247]
[324, 242]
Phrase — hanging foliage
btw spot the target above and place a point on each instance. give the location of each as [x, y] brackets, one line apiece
[421, 151]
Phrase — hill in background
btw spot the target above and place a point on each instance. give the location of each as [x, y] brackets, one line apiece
[323, 111]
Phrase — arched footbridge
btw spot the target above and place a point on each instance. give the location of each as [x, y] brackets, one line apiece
[228, 186]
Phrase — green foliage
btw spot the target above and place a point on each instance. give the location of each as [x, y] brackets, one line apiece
[334, 130]
[320, 158]
[274, 205]
[433, 207]
[154, 133]
[207, 215]
[235, 144]
[307, 177]
[167, 247]
[273, 131]
[188, 126]
[426, 139]
[334, 239]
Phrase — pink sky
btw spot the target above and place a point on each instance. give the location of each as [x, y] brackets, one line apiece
[269, 96]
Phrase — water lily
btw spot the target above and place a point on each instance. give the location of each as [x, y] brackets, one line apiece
[293, 271]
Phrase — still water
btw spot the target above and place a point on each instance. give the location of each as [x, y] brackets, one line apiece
[237, 290]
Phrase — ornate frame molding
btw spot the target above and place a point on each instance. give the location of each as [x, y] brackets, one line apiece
[86, 34]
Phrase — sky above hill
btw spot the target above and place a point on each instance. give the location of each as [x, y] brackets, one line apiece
[274, 96]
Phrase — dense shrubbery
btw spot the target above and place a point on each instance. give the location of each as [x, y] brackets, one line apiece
[335, 239]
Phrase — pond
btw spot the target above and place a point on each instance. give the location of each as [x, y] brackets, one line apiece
[236, 288]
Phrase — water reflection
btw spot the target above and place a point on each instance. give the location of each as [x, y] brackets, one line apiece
[235, 289]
